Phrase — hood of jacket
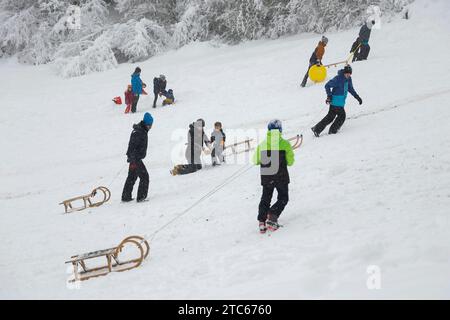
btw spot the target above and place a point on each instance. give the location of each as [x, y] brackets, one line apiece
[140, 126]
[341, 74]
[273, 135]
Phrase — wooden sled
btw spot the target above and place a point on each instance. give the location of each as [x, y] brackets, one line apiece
[246, 144]
[350, 58]
[88, 200]
[336, 64]
[113, 264]
[297, 142]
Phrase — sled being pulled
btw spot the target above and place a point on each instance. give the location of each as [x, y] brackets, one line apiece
[89, 200]
[239, 147]
[113, 264]
[246, 145]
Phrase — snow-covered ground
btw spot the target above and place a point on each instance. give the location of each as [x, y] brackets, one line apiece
[376, 194]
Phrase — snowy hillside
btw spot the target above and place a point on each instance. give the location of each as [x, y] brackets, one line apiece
[376, 194]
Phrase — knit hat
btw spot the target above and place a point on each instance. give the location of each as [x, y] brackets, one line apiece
[137, 70]
[148, 119]
[275, 124]
[348, 69]
[324, 40]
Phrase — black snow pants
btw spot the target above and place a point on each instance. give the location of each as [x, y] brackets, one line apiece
[337, 113]
[136, 170]
[266, 199]
[363, 52]
[156, 99]
[355, 49]
[135, 102]
[305, 78]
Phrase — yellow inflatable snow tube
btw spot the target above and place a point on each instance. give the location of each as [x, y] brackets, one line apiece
[317, 73]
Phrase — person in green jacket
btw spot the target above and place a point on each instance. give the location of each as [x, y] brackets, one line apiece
[274, 155]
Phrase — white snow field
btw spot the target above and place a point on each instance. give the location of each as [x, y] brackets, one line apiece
[374, 197]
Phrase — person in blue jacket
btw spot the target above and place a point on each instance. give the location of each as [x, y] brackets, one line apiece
[136, 86]
[337, 90]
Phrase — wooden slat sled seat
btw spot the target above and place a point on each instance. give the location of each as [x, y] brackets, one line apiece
[88, 200]
[113, 264]
[245, 146]
[336, 64]
[296, 142]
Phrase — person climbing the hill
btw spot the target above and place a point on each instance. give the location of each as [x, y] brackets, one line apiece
[218, 141]
[169, 97]
[129, 96]
[274, 155]
[159, 86]
[137, 86]
[316, 58]
[197, 139]
[337, 90]
[361, 46]
[137, 151]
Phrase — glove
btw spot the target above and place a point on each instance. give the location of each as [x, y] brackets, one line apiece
[328, 101]
[133, 165]
[359, 100]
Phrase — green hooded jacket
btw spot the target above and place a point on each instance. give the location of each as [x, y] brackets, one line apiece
[274, 155]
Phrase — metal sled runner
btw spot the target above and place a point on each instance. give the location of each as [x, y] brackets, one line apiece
[88, 200]
[113, 263]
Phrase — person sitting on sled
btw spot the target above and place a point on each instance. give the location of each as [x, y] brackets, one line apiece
[170, 98]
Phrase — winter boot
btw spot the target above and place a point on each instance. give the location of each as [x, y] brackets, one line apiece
[174, 171]
[262, 227]
[272, 222]
[313, 129]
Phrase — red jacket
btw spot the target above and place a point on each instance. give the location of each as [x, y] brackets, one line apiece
[129, 97]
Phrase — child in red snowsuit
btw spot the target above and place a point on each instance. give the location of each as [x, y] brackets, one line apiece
[129, 96]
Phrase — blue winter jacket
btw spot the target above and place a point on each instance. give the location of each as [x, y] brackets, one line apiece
[136, 83]
[338, 88]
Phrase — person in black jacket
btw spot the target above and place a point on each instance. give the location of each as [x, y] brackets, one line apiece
[361, 47]
[159, 86]
[137, 150]
[196, 141]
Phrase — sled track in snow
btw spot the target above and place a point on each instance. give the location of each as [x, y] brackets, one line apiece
[401, 104]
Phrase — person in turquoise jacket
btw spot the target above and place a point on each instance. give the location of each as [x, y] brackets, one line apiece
[136, 86]
[337, 90]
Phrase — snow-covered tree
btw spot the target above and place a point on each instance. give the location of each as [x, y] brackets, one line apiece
[192, 24]
[82, 36]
